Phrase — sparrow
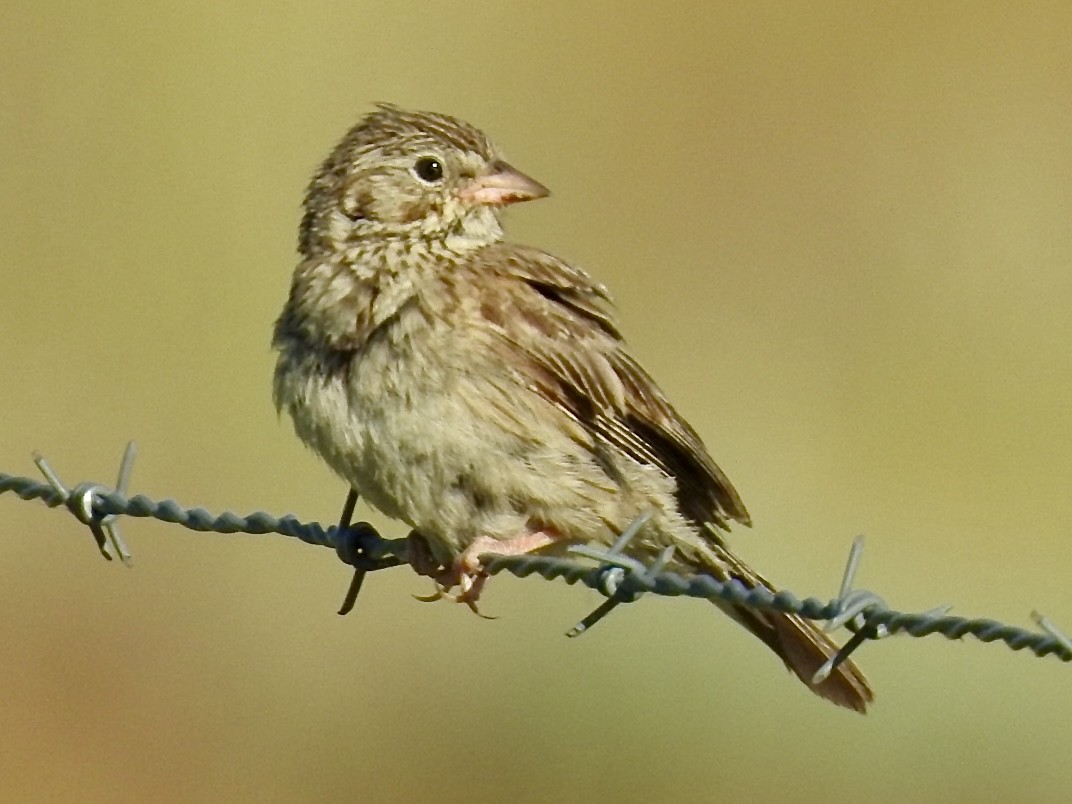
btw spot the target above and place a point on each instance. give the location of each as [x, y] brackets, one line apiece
[480, 390]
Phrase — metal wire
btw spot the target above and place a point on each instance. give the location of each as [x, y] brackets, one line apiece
[363, 548]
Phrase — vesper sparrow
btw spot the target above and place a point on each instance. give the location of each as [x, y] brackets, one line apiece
[480, 391]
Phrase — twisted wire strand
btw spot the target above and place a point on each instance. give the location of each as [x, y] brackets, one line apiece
[361, 546]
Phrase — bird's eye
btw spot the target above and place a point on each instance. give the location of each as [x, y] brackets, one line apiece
[428, 169]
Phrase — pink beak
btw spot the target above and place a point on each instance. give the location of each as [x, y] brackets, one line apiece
[502, 184]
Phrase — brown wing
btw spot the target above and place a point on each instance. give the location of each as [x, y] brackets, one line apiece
[561, 322]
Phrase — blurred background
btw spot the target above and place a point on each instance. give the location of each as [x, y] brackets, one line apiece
[839, 237]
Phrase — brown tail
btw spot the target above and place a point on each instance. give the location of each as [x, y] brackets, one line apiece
[797, 641]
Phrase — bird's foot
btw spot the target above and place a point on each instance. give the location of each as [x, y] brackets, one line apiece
[466, 572]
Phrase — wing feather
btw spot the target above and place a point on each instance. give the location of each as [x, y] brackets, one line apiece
[562, 325]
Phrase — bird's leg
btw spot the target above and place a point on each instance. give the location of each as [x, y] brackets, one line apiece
[467, 573]
[420, 556]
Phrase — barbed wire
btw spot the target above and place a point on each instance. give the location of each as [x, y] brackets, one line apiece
[617, 576]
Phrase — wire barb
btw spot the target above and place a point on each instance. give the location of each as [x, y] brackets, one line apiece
[1047, 625]
[615, 565]
[854, 607]
[354, 590]
[82, 500]
[854, 603]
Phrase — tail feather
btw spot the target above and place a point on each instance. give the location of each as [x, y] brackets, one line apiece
[798, 642]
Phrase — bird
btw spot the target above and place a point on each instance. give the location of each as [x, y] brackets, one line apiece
[481, 391]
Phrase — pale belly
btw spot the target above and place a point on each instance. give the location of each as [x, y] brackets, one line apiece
[454, 447]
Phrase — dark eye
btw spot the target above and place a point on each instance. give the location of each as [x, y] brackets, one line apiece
[429, 169]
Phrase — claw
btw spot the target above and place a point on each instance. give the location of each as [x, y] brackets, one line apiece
[472, 585]
[438, 594]
[469, 595]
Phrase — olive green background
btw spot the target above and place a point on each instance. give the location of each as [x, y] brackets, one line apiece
[840, 235]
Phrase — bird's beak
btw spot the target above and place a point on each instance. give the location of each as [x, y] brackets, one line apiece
[502, 184]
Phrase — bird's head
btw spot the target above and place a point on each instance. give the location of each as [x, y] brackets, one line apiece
[400, 174]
